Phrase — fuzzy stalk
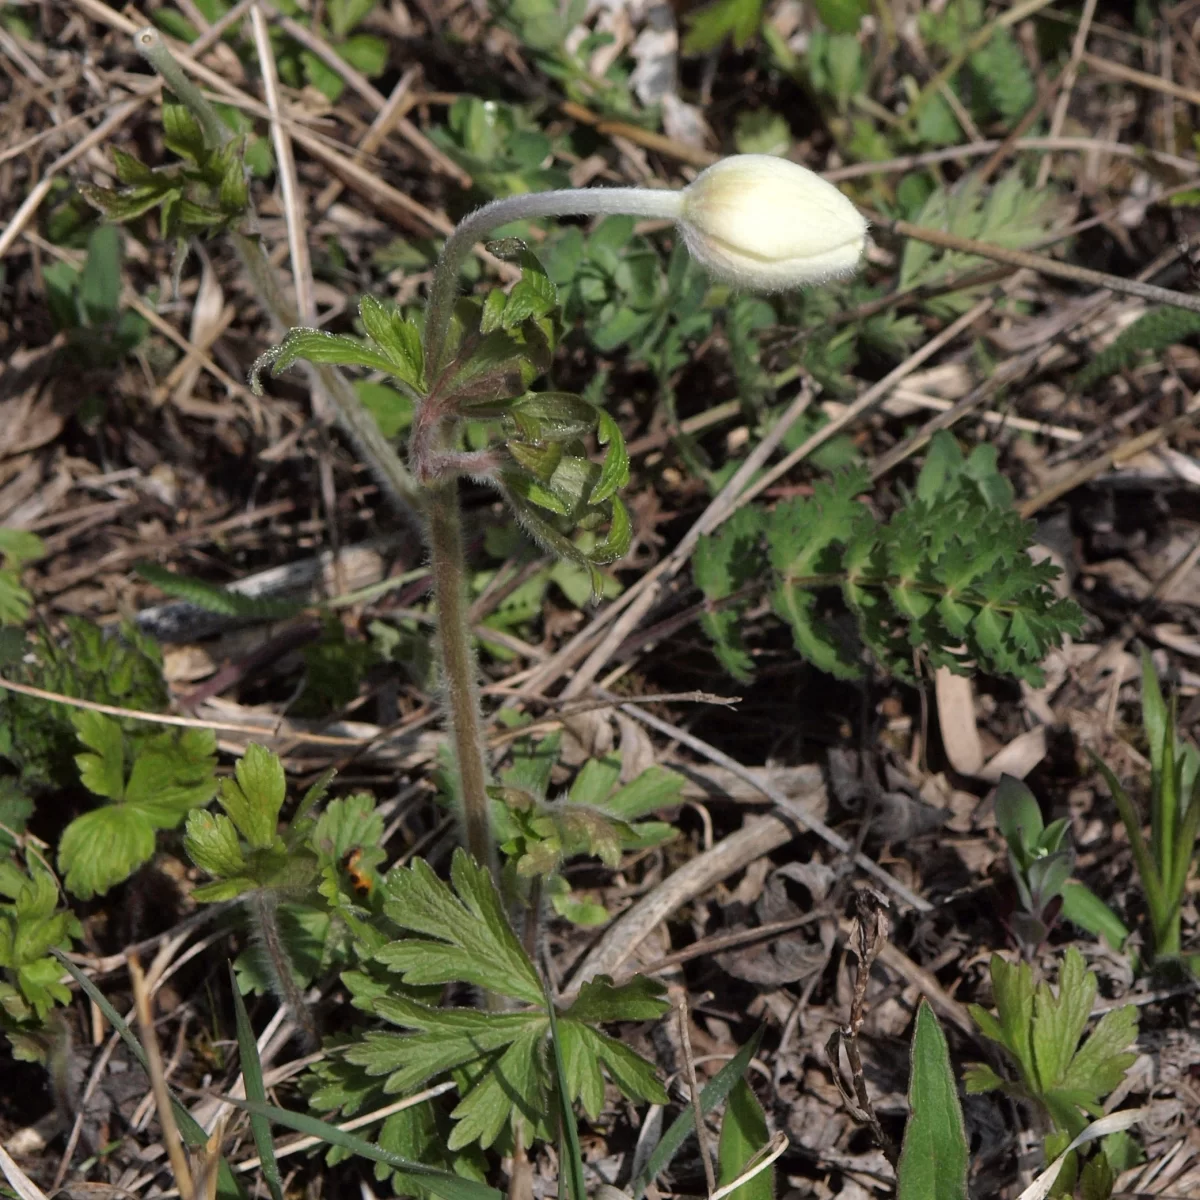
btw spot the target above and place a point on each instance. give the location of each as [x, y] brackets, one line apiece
[263, 907]
[357, 424]
[650, 203]
[444, 517]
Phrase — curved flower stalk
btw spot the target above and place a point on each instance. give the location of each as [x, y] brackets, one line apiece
[756, 222]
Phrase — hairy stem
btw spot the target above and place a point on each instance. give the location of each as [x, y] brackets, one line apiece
[458, 665]
[357, 424]
[263, 906]
[569, 202]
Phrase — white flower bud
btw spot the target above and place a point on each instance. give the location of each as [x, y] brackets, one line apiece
[767, 224]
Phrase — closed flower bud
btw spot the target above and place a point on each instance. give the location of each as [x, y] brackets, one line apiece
[767, 224]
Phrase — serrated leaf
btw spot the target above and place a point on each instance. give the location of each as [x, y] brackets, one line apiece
[400, 340]
[181, 131]
[102, 848]
[212, 843]
[475, 943]
[600, 1001]
[317, 346]
[1059, 1021]
[1103, 1060]
[102, 771]
[254, 797]
[214, 599]
[934, 1157]
[614, 471]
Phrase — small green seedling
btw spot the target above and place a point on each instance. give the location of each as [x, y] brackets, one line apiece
[1039, 857]
[1041, 1030]
[597, 817]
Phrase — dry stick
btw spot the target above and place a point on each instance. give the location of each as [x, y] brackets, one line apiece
[134, 714]
[1067, 85]
[1144, 79]
[158, 1082]
[689, 1066]
[377, 134]
[1111, 458]
[363, 86]
[293, 206]
[1084, 145]
[1045, 266]
[869, 936]
[757, 837]
[807, 820]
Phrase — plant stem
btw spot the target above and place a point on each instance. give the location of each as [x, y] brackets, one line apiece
[650, 203]
[458, 665]
[263, 906]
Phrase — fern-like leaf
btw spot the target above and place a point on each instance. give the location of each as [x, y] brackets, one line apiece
[215, 599]
[1153, 331]
[1005, 75]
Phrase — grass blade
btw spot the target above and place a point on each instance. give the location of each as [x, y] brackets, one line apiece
[714, 1092]
[252, 1074]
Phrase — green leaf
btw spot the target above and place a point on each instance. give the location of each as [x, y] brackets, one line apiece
[710, 26]
[475, 942]
[744, 1135]
[366, 53]
[1059, 1021]
[599, 1001]
[317, 346]
[253, 798]
[570, 1155]
[392, 410]
[1018, 817]
[841, 16]
[102, 848]
[102, 771]
[215, 599]
[181, 131]
[1103, 1060]
[934, 1157]
[614, 471]
[444, 1184]
[399, 339]
[1151, 333]
[211, 842]
[1081, 906]
[19, 546]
